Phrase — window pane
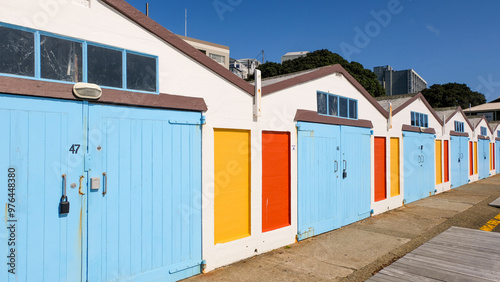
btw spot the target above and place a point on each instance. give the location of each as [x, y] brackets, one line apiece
[333, 105]
[426, 124]
[141, 72]
[421, 120]
[104, 66]
[342, 107]
[321, 98]
[353, 109]
[17, 52]
[60, 59]
[218, 58]
[412, 114]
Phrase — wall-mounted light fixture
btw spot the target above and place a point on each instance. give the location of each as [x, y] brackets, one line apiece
[87, 91]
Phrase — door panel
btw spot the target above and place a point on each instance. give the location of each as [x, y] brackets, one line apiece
[145, 217]
[275, 180]
[446, 161]
[483, 158]
[464, 160]
[439, 161]
[380, 168]
[497, 156]
[355, 188]
[455, 161]
[419, 164]
[232, 185]
[37, 135]
[395, 167]
[318, 178]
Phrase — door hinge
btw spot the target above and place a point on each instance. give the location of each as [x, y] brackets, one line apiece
[88, 157]
[185, 122]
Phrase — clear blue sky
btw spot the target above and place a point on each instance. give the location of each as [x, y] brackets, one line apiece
[443, 41]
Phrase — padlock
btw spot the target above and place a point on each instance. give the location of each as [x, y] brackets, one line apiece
[64, 205]
[344, 174]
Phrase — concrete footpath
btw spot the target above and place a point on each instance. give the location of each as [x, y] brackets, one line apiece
[357, 251]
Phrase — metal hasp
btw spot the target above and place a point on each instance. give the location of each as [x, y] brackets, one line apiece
[64, 204]
[95, 183]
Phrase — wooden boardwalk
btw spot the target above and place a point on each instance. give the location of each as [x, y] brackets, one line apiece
[458, 254]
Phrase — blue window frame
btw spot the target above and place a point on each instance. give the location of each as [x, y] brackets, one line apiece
[459, 126]
[419, 119]
[44, 56]
[337, 106]
[483, 131]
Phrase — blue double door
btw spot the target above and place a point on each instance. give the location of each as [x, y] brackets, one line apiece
[419, 165]
[133, 180]
[459, 160]
[334, 169]
[483, 158]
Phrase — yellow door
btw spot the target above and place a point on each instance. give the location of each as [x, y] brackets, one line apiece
[395, 167]
[439, 162]
[232, 184]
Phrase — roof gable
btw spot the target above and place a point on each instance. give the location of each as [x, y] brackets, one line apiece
[415, 98]
[457, 111]
[155, 28]
[479, 122]
[321, 72]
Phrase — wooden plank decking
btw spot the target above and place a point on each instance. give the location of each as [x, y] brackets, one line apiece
[458, 254]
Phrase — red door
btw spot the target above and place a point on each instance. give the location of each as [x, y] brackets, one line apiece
[275, 180]
[380, 169]
[446, 162]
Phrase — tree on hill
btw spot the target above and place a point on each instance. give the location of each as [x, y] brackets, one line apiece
[321, 58]
[452, 95]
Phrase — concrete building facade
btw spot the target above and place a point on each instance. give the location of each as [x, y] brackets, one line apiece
[399, 82]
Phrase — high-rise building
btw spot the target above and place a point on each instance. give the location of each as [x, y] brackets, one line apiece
[399, 82]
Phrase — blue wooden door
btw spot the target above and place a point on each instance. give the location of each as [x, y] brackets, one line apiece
[145, 218]
[455, 161]
[459, 158]
[318, 178]
[354, 199]
[41, 140]
[497, 156]
[418, 166]
[464, 160]
[483, 158]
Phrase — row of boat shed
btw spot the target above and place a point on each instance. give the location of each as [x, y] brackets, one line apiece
[180, 167]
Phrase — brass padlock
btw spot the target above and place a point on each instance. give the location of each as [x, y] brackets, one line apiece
[64, 205]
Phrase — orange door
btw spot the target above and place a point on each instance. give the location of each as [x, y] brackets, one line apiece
[275, 180]
[380, 169]
[446, 161]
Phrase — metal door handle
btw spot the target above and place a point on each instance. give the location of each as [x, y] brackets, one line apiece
[80, 188]
[105, 190]
[345, 165]
[64, 185]
[336, 166]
